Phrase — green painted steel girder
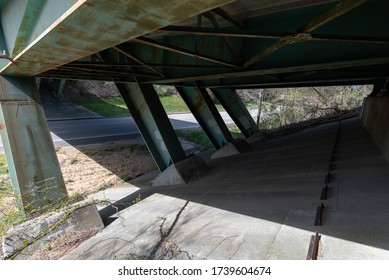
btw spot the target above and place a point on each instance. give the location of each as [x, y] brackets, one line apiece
[237, 110]
[33, 165]
[204, 110]
[86, 27]
[150, 117]
[153, 123]
[27, 24]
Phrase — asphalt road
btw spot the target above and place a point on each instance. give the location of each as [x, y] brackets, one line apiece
[99, 130]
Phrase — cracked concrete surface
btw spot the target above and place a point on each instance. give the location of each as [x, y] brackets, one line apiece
[262, 204]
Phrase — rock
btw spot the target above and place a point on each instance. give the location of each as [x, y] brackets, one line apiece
[25, 239]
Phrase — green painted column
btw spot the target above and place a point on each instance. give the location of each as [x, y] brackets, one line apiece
[153, 123]
[32, 162]
[237, 110]
[206, 114]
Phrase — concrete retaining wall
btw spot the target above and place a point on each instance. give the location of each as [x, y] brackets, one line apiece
[375, 118]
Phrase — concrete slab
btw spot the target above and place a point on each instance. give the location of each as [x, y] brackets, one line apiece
[183, 172]
[227, 150]
[356, 236]
[262, 205]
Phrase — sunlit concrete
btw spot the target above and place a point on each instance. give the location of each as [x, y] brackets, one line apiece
[262, 205]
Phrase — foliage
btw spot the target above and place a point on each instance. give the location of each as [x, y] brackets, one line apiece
[165, 90]
[279, 107]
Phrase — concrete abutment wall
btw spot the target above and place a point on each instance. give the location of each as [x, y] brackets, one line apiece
[375, 118]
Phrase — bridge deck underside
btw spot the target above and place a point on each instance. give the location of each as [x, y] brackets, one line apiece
[242, 44]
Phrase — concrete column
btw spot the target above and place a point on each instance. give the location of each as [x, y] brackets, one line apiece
[237, 110]
[375, 118]
[33, 165]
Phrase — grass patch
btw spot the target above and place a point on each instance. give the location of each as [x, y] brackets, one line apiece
[197, 136]
[116, 148]
[12, 218]
[5, 188]
[173, 104]
[235, 131]
[113, 107]
[3, 165]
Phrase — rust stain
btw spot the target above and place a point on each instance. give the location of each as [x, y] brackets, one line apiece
[104, 21]
[2, 126]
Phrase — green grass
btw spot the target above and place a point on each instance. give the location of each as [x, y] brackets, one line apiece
[197, 136]
[173, 104]
[3, 165]
[115, 107]
[235, 131]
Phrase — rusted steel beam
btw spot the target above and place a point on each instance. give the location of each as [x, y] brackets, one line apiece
[156, 65]
[106, 71]
[33, 165]
[188, 30]
[320, 212]
[27, 24]
[222, 13]
[324, 192]
[265, 53]
[237, 110]
[121, 50]
[88, 27]
[303, 34]
[151, 119]
[204, 110]
[340, 9]
[314, 247]
[308, 83]
[153, 123]
[280, 70]
[164, 46]
[349, 39]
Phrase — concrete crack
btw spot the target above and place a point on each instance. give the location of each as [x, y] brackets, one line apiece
[164, 236]
[275, 236]
[237, 249]
[224, 239]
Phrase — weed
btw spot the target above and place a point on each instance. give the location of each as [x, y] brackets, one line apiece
[104, 186]
[10, 219]
[126, 178]
[75, 198]
[121, 148]
[3, 165]
[197, 136]
[5, 187]
[3, 170]
[73, 161]
[136, 200]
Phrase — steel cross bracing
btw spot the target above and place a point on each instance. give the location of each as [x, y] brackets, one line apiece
[331, 43]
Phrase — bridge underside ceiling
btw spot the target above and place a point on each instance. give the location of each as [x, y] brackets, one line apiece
[237, 45]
